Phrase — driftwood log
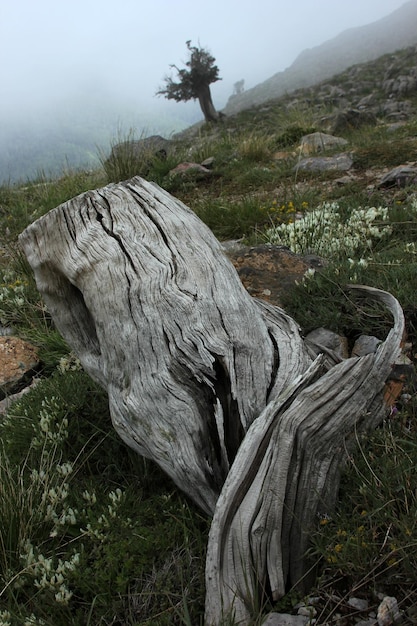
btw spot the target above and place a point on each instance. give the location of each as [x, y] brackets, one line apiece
[216, 387]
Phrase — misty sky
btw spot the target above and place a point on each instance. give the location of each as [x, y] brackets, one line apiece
[54, 48]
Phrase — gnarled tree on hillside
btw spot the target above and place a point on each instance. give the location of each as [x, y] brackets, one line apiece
[194, 82]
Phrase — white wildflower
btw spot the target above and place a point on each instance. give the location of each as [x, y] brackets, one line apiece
[63, 596]
[324, 231]
[5, 618]
[309, 273]
[65, 469]
[90, 498]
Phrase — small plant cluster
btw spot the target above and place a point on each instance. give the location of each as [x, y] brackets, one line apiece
[13, 296]
[371, 538]
[284, 213]
[378, 250]
[83, 534]
[325, 232]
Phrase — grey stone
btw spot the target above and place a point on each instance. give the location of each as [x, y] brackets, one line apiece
[388, 612]
[360, 604]
[365, 344]
[155, 145]
[339, 162]
[321, 338]
[8, 401]
[347, 120]
[307, 611]
[367, 101]
[6, 331]
[208, 163]
[400, 176]
[319, 142]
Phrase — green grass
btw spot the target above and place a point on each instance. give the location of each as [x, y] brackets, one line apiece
[89, 529]
[77, 504]
[370, 541]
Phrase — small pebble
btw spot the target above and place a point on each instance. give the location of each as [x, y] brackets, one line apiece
[307, 611]
[388, 612]
[358, 603]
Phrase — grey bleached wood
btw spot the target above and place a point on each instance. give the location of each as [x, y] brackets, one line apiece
[143, 293]
[286, 475]
[216, 387]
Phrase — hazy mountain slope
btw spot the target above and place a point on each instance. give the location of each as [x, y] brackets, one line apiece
[70, 134]
[355, 45]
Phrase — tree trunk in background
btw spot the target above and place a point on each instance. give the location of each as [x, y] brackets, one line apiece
[216, 387]
[206, 104]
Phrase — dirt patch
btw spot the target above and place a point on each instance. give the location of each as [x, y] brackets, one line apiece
[267, 272]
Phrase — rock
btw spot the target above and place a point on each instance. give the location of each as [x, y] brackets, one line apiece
[307, 611]
[402, 376]
[395, 126]
[18, 361]
[6, 402]
[344, 180]
[358, 603]
[208, 163]
[402, 85]
[388, 612]
[339, 162]
[396, 110]
[365, 344]
[367, 101]
[347, 120]
[187, 169]
[155, 145]
[322, 339]
[284, 619]
[319, 142]
[400, 176]
[5, 331]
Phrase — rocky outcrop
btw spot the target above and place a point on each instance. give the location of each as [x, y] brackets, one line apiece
[339, 163]
[347, 119]
[400, 176]
[148, 147]
[353, 46]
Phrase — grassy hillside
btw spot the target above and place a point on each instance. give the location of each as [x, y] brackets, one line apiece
[92, 534]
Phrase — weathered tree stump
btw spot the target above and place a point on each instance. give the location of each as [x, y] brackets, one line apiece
[216, 387]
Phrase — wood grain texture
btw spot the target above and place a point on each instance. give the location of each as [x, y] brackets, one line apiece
[141, 290]
[216, 387]
[286, 476]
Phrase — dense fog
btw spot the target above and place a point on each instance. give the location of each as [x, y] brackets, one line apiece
[74, 75]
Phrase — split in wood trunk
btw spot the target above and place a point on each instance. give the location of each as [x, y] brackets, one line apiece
[216, 387]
